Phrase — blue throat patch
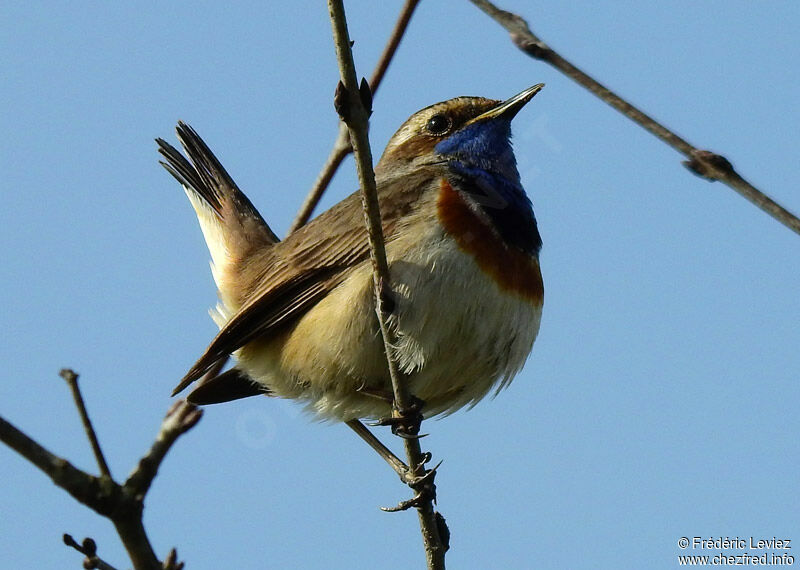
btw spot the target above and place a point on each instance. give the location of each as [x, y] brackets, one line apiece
[483, 166]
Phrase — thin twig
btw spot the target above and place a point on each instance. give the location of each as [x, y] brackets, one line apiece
[72, 381]
[342, 146]
[102, 495]
[350, 105]
[394, 462]
[171, 561]
[122, 504]
[706, 164]
[83, 487]
[89, 549]
[181, 417]
[391, 46]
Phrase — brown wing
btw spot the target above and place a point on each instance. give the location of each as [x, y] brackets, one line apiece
[292, 276]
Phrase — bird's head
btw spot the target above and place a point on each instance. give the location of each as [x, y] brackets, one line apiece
[472, 131]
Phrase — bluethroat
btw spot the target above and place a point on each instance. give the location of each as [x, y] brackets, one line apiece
[299, 314]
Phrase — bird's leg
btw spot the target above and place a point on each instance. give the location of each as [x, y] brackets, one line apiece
[394, 462]
[423, 485]
[404, 423]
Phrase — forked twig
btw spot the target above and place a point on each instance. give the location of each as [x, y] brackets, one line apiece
[122, 504]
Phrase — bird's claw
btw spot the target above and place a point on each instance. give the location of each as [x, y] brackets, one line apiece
[406, 422]
[417, 500]
[424, 487]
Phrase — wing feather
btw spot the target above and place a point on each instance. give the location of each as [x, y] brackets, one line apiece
[293, 275]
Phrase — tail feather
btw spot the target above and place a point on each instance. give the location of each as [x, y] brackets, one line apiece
[231, 225]
[231, 385]
[233, 229]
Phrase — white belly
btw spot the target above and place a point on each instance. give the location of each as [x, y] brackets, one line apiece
[458, 337]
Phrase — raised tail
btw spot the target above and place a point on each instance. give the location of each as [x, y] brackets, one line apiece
[233, 229]
[231, 225]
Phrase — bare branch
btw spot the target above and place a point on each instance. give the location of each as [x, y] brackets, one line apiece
[72, 381]
[130, 528]
[181, 417]
[171, 561]
[89, 549]
[122, 504]
[394, 462]
[391, 46]
[702, 162]
[349, 103]
[93, 492]
[342, 147]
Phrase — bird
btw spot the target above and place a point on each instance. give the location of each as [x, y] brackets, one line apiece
[298, 314]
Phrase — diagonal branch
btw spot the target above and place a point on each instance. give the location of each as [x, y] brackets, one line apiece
[122, 504]
[704, 163]
[353, 105]
[342, 146]
[181, 417]
[394, 462]
[72, 380]
[83, 487]
[391, 46]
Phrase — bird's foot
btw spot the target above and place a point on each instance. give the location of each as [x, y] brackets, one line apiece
[424, 487]
[405, 422]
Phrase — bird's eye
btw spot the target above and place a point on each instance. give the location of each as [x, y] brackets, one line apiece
[438, 124]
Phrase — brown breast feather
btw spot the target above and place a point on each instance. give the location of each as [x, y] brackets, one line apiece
[512, 269]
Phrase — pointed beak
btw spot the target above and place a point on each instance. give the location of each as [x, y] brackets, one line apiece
[510, 107]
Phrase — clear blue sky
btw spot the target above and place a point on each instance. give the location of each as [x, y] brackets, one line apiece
[661, 399]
